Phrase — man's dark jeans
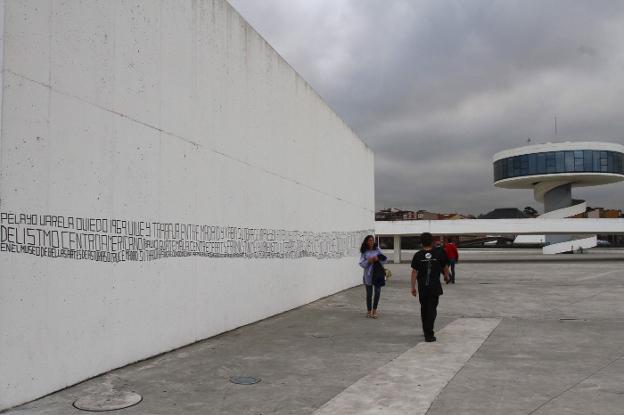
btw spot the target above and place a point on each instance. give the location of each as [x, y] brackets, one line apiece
[428, 312]
[452, 263]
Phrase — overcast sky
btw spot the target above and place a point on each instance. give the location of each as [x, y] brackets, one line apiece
[437, 87]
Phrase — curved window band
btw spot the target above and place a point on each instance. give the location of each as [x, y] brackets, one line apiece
[553, 162]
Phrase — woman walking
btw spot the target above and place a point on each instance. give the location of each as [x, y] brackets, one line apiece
[371, 259]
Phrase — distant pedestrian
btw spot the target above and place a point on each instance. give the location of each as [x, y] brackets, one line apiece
[427, 265]
[372, 260]
[453, 256]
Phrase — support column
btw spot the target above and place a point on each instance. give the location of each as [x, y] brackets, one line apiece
[397, 249]
[558, 198]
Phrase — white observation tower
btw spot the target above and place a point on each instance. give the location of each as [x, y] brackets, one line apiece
[552, 170]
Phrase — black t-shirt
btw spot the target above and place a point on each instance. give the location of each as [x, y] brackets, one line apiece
[429, 265]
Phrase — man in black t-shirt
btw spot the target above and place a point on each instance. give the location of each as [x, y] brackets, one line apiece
[427, 265]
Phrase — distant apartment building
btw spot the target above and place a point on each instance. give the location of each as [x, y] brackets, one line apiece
[425, 215]
[600, 213]
[400, 214]
[603, 213]
[394, 214]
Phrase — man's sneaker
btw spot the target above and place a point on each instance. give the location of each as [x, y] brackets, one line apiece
[430, 339]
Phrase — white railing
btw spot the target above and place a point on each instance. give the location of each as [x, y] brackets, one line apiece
[538, 226]
[535, 226]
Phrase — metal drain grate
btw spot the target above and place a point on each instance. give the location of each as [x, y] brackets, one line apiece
[244, 380]
[108, 401]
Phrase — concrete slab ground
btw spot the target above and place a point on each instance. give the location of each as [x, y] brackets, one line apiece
[513, 338]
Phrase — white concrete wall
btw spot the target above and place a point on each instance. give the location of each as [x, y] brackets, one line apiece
[169, 111]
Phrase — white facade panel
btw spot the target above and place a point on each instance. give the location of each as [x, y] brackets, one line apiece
[164, 114]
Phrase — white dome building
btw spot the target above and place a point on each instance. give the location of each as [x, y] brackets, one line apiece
[552, 170]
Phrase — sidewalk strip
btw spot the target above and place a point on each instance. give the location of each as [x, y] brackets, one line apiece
[411, 382]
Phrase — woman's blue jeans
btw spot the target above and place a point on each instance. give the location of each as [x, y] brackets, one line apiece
[371, 304]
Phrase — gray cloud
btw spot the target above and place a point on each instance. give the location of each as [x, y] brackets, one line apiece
[435, 87]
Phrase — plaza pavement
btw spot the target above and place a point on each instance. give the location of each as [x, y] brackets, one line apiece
[526, 337]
